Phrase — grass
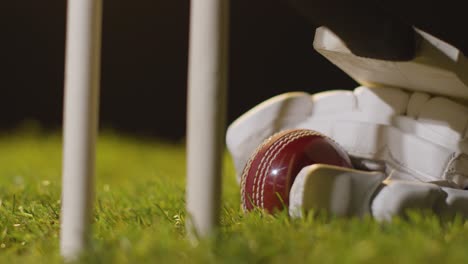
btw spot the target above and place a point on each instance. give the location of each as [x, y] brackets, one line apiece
[140, 217]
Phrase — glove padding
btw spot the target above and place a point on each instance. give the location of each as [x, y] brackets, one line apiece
[418, 137]
[346, 192]
[397, 197]
[336, 190]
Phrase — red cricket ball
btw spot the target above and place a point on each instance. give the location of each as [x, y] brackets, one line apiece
[271, 170]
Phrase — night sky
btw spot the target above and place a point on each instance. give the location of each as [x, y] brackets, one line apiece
[144, 62]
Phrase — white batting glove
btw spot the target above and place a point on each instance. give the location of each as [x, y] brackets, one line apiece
[419, 138]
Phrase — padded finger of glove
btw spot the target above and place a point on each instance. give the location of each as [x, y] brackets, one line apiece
[337, 190]
[397, 197]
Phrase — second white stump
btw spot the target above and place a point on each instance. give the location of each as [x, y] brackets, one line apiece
[206, 113]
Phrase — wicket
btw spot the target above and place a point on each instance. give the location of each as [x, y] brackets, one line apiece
[205, 124]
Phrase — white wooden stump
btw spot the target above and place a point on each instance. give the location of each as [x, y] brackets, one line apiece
[206, 113]
[82, 77]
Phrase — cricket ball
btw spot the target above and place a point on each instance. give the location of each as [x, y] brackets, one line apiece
[272, 168]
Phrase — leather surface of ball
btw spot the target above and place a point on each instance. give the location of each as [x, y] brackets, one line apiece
[270, 172]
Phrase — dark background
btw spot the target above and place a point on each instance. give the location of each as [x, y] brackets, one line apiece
[144, 62]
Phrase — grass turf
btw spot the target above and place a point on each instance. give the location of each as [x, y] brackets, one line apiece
[139, 215]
